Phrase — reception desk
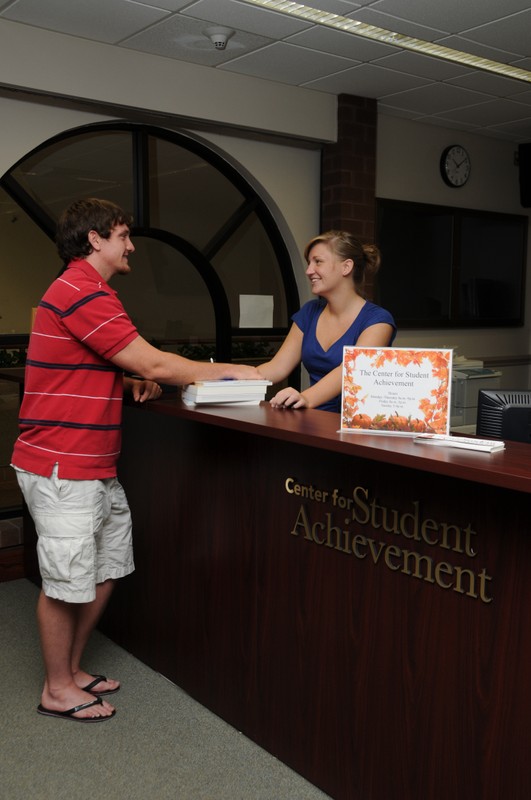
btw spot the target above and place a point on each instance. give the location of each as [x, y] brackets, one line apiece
[358, 605]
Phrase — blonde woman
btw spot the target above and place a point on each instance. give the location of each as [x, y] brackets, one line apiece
[338, 267]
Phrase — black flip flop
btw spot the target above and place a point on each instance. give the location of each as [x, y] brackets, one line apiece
[48, 712]
[98, 679]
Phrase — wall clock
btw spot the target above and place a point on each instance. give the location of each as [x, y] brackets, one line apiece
[455, 166]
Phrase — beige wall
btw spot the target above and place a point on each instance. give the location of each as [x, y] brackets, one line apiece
[53, 63]
[285, 171]
[408, 169]
[288, 179]
[285, 174]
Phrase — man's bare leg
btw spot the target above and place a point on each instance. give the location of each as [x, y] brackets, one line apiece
[58, 622]
[89, 615]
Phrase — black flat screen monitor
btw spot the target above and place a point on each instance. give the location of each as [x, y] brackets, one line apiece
[504, 414]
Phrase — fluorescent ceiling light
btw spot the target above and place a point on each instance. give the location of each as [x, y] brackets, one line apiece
[391, 37]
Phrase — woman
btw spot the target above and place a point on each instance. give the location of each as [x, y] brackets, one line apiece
[338, 265]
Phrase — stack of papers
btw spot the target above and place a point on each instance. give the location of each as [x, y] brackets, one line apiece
[225, 392]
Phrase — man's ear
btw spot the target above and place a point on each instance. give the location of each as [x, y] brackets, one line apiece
[94, 239]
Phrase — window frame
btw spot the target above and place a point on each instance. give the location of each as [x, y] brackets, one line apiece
[253, 203]
[456, 317]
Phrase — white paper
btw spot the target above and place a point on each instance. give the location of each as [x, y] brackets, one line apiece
[256, 311]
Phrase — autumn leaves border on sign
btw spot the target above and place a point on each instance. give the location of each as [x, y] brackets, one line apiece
[431, 416]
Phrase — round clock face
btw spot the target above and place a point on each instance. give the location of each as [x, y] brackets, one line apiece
[455, 165]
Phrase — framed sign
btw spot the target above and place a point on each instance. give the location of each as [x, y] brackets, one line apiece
[396, 390]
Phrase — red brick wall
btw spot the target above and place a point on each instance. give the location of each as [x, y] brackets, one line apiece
[348, 171]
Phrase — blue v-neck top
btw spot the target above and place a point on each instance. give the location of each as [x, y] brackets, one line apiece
[319, 362]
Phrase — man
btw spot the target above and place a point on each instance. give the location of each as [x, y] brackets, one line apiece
[65, 457]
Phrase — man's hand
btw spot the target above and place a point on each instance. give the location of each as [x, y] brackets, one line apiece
[239, 372]
[142, 390]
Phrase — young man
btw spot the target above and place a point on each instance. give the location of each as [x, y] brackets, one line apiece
[65, 457]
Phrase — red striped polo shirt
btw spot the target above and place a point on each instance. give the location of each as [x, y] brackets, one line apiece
[71, 412]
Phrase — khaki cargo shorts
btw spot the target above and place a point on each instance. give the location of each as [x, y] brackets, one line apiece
[84, 533]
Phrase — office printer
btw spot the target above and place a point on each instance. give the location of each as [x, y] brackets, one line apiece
[468, 377]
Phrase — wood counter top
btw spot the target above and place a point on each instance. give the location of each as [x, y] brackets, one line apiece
[509, 469]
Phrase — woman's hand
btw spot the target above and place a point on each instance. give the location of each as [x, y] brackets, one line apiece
[289, 398]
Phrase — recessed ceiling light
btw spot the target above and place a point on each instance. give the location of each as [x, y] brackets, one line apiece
[391, 37]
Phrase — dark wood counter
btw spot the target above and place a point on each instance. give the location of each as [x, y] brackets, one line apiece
[510, 468]
[357, 604]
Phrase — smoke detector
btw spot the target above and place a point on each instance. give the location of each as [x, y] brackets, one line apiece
[219, 36]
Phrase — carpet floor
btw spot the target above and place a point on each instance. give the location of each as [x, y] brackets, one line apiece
[162, 745]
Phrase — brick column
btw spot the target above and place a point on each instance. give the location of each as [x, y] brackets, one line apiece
[348, 171]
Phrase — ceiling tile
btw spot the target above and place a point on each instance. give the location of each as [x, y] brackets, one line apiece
[184, 38]
[435, 98]
[395, 112]
[100, 20]
[478, 49]
[451, 15]
[489, 113]
[517, 131]
[341, 7]
[366, 80]
[273, 46]
[488, 83]
[523, 63]
[522, 97]
[288, 64]
[393, 23]
[343, 44]
[240, 16]
[511, 33]
[168, 5]
[447, 123]
[435, 69]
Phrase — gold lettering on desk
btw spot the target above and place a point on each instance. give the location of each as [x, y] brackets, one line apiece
[410, 525]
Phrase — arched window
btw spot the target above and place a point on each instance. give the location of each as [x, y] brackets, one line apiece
[207, 246]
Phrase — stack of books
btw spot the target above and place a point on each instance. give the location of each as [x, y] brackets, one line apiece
[225, 392]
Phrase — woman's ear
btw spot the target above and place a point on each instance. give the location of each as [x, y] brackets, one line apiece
[348, 266]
